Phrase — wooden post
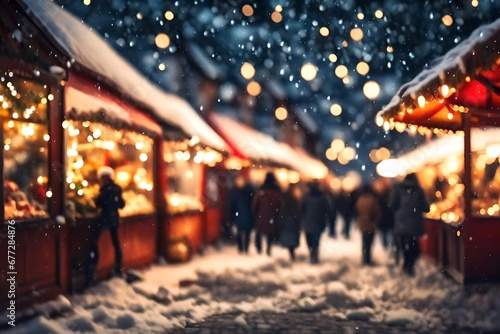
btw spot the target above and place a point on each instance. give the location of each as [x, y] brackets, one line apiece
[467, 167]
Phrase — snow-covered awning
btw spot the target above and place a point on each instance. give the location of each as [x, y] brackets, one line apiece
[258, 147]
[90, 51]
[438, 150]
[248, 143]
[85, 101]
[466, 79]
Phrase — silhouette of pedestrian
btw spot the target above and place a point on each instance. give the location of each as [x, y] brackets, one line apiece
[109, 201]
[265, 209]
[240, 202]
[290, 219]
[408, 201]
[368, 212]
[315, 211]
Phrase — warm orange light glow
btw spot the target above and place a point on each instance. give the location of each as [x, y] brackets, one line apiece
[247, 10]
[337, 145]
[162, 41]
[332, 57]
[341, 71]
[363, 68]
[169, 15]
[324, 31]
[447, 20]
[371, 89]
[276, 17]
[253, 88]
[308, 71]
[421, 101]
[247, 71]
[281, 113]
[357, 34]
[379, 14]
[336, 109]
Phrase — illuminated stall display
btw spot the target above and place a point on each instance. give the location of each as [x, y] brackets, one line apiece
[24, 111]
[184, 164]
[459, 94]
[92, 145]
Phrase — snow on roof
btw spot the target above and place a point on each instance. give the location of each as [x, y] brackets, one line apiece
[99, 108]
[254, 145]
[260, 147]
[437, 151]
[91, 51]
[479, 52]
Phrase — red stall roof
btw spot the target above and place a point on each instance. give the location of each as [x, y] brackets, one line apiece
[248, 143]
[466, 79]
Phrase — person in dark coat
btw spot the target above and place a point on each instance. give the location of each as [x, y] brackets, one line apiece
[332, 216]
[369, 214]
[265, 209]
[240, 202]
[345, 206]
[408, 202]
[290, 219]
[386, 226]
[109, 201]
[315, 211]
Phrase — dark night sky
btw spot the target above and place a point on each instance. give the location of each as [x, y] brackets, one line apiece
[398, 39]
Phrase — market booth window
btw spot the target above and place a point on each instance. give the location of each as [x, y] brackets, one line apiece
[92, 145]
[185, 162]
[23, 114]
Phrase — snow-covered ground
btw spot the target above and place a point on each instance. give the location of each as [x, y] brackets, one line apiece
[224, 281]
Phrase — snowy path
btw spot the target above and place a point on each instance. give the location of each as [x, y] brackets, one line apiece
[339, 289]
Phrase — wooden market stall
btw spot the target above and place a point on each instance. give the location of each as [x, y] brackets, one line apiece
[70, 104]
[460, 93]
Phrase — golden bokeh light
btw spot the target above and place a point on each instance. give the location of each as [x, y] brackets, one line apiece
[332, 57]
[308, 71]
[341, 71]
[281, 113]
[331, 154]
[363, 68]
[356, 34]
[247, 71]
[279, 8]
[162, 41]
[349, 153]
[169, 15]
[337, 145]
[379, 14]
[371, 89]
[361, 16]
[253, 88]
[276, 17]
[336, 109]
[247, 10]
[447, 20]
[324, 31]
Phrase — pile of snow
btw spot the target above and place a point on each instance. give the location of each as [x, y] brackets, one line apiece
[224, 281]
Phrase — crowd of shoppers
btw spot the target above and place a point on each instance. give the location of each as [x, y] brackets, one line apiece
[279, 217]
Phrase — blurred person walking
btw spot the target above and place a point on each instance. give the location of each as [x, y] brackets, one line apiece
[265, 208]
[315, 210]
[369, 214]
[109, 201]
[290, 219]
[409, 203]
[240, 204]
